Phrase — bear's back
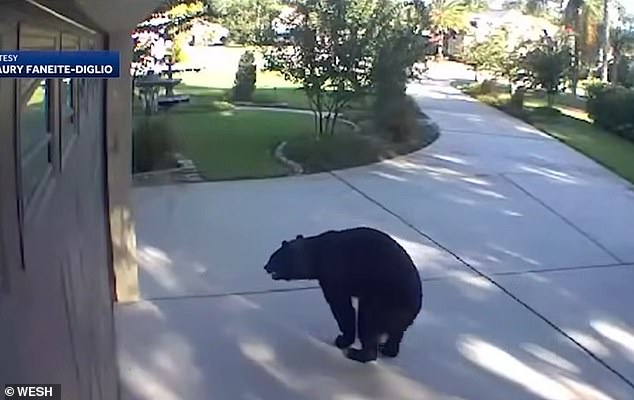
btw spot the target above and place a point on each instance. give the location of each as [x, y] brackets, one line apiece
[367, 262]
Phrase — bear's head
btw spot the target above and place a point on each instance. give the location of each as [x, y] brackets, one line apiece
[291, 261]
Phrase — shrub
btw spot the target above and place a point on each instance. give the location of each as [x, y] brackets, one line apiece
[593, 85]
[547, 65]
[153, 145]
[178, 53]
[244, 84]
[611, 108]
[517, 98]
[488, 86]
[399, 117]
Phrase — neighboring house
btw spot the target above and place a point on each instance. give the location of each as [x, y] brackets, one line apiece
[519, 26]
[206, 33]
[66, 234]
[282, 25]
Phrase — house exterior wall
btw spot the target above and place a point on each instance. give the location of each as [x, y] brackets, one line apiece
[56, 280]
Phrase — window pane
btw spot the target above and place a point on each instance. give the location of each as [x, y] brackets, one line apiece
[34, 168]
[67, 90]
[33, 117]
[68, 128]
[35, 134]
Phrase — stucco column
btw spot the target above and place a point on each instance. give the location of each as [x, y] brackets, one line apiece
[119, 155]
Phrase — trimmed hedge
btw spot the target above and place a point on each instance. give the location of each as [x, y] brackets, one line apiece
[153, 145]
[612, 107]
[244, 84]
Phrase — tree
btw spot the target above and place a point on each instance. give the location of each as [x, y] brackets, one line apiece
[494, 55]
[166, 22]
[621, 43]
[535, 7]
[605, 40]
[339, 51]
[398, 47]
[546, 64]
[582, 18]
[248, 21]
[478, 55]
[244, 83]
[446, 16]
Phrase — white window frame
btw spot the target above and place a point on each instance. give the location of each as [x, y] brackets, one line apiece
[68, 122]
[29, 201]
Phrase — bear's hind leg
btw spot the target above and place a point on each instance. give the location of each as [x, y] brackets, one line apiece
[392, 346]
[369, 332]
[397, 324]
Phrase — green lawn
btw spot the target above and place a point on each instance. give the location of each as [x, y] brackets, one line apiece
[240, 144]
[608, 149]
[574, 128]
[217, 78]
[229, 143]
[292, 97]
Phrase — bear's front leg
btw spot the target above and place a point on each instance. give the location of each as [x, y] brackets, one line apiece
[368, 333]
[342, 310]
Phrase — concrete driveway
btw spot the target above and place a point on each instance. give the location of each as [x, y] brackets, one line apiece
[526, 249]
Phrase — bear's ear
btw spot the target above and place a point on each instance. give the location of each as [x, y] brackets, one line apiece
[284, 242]
[299, 237]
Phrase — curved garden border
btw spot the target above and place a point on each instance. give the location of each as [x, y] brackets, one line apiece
[187, 171]
[295, 167]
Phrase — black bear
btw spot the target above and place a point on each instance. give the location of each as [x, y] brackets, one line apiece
[361, 263]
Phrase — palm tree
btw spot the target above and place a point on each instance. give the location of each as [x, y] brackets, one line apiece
[621, 42]
[582, 17]
[445, 16]
[605, 48]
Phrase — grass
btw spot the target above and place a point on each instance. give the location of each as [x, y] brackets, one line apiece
[239, 144]
[291, 97]
[346, 151]
[229, 143]
[571, 126]
[217, 79]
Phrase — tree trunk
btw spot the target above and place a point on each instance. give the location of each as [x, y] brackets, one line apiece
[577, 56]
[335, 114]
[615, 69]
[441, 46]
[606, 41]
[321, 124]
[551, 99]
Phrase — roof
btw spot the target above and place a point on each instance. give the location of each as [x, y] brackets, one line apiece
[512, 18]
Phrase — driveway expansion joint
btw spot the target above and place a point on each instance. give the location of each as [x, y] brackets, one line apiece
[564, 219]
[489, 279]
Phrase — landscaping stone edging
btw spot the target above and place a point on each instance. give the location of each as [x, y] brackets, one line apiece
[295, 167]
[428, 122]
[186, 171]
